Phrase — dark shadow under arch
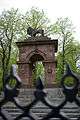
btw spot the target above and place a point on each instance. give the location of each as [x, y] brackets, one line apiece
[36, 57]
[37, 54]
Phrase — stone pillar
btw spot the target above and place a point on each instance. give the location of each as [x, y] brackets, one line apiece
[49, 73]
[25, 74]
[30, 75]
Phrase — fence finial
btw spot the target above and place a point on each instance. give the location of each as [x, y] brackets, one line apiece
[39, 84]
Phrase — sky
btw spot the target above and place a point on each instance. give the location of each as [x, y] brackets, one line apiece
[53, 8]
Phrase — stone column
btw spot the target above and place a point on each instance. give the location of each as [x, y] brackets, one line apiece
[31, 74]
[49, 73]
[25, 74]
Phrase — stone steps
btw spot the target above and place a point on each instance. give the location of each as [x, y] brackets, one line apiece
[26, 96]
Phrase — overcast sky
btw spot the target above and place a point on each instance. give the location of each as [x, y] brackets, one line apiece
[54, 9]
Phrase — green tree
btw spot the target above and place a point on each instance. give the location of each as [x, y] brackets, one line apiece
[71, 56]
[8, 29]
[63, 28]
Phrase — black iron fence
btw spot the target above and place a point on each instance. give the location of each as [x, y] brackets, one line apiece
[70, 92]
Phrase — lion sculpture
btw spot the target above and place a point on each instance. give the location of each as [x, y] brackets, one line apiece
[33, 32]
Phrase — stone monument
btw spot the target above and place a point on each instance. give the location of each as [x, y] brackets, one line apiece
[37, 48]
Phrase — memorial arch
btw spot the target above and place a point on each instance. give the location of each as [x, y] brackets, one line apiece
[33, 49]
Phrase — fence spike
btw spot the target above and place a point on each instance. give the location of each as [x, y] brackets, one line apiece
[39, 84]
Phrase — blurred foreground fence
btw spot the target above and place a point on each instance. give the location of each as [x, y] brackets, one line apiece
[11, 93]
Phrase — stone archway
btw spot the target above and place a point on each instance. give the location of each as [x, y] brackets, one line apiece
[35, 49]
[35, 61]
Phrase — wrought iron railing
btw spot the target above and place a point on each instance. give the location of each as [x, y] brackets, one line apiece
[70, 93]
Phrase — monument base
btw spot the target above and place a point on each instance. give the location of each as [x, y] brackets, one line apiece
[54, 85]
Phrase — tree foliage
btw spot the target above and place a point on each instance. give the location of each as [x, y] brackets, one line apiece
[8, 29]
[68, 48]
[71, 57]
[63, 28]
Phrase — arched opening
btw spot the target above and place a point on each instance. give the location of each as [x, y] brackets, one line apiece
[37, 67]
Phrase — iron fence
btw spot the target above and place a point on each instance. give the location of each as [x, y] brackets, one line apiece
[70, 93]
